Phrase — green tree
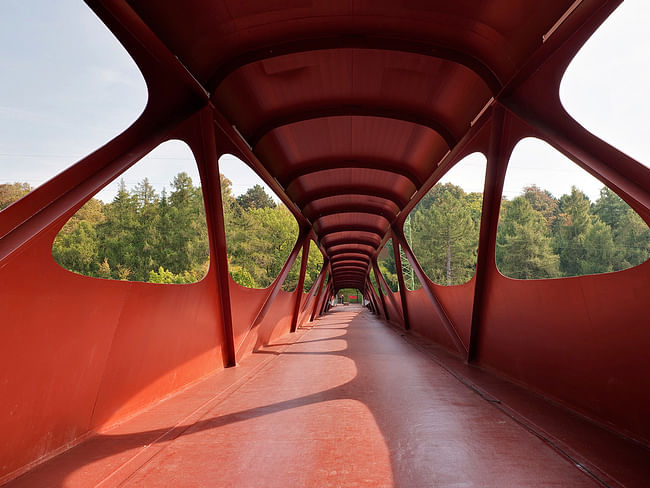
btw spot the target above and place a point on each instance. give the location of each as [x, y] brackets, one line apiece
[291, 281]
[77, 250]
[523, 243]
[445, 236]
[118, 233]
[255, 197]
[242, 277]
[599, 251]
[610, 208]
[261, 240]
[387, 267]
[632, 240]
[542, 201]
[314, 265]
[570, 228]
[10, 192]
[189, 240]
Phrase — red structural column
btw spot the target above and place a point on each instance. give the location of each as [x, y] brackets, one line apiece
[327, 297]
[389, 294]
[375, 298]
[402, 285]
[324, 298]
[375, 270]
[316, 288]
[209, 166]
[301, 284]
[371, 294]
[275, 288]
[430, 291]
[499, 151]
[323, 286]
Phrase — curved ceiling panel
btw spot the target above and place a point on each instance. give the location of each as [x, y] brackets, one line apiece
[349, 106]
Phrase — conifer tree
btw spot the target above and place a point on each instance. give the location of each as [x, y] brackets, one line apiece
[523, 244]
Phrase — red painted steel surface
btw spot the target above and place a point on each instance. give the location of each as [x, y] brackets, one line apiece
[350, 111]
[364, 423]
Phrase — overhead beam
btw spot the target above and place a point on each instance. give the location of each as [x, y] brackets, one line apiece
[349, 274]
[351, 256]
[293, 116]
[388, 165]
[344, 241]
[350, 189]
[350, 250]
[429, 48]
[350, 264]
[352, 228]
[373, 210]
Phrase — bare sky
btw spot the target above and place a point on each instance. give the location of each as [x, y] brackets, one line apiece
[68, 87]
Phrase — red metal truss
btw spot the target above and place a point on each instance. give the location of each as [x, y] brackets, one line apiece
[350, 111]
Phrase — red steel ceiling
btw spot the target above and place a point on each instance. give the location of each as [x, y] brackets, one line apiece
[348, 107]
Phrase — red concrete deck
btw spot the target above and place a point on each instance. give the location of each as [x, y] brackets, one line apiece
[350, 403]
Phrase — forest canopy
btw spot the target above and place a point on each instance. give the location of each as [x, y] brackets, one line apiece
[539, 236]
[142, 235]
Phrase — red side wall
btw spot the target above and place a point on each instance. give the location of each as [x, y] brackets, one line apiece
[79, 353]
[582, 342]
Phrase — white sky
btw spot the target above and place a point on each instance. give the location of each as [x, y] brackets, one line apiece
[68, 87]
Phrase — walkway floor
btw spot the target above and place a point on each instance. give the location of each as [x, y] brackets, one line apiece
[351, 403]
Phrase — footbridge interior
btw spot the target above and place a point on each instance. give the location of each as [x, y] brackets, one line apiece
[350, 111]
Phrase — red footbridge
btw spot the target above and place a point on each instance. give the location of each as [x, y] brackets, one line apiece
[350, 110]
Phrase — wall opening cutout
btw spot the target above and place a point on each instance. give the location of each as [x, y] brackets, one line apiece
[444, 226]
[556, 220]
[386, 263]
[610, 98]
[314, 265]
[260, 231]
[94, 90]
[149, 230]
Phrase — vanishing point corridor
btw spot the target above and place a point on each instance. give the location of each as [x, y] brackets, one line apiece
[350, 403]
